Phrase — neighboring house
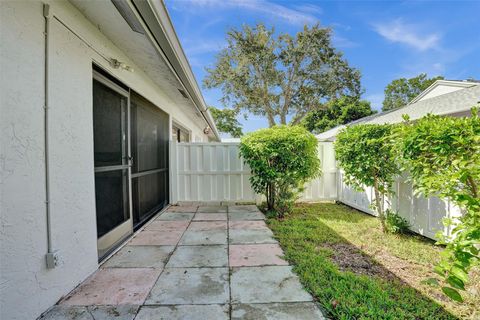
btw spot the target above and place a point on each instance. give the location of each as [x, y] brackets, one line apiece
[92, 93]
[447, 98]
[443, 97]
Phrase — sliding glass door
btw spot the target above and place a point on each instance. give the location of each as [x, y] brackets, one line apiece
[131, 137]
[111, 157]
[149, 140]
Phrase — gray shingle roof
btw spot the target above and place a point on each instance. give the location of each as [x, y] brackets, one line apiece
[449, 103]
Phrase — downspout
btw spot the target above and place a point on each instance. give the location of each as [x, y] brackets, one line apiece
[51, 256]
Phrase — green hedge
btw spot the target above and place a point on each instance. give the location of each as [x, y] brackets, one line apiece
[282, 159]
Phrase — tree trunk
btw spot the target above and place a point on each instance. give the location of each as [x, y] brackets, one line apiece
[283, 118]
[270, 196]
[379, 205]
[271, 120]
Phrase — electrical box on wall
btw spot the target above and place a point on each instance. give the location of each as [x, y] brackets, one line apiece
[53, 259]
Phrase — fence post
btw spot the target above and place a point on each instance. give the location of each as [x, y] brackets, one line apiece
[173, 173]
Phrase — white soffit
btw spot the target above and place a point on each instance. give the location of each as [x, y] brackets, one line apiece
[105, 16]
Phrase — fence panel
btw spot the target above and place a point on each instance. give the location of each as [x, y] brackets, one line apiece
[424, 214]
[209, 172]
[324, 187]
[215, 172]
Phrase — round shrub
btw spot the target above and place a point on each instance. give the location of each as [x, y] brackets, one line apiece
[282, 159]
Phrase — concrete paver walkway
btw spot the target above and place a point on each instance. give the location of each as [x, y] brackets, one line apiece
[210, 262]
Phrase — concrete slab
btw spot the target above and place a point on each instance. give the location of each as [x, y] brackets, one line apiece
[121, 312]
[249, 224]
[114, 286]
[156, 238]
[159, 225]
[277, 311]
[266, 284]
[184, 312]
[204, 237]
[246, 236]
[60, 312]
[204, 216]
[190, 286]
[236, 216]
[182, 209]
[199, 256]
[208, 225]
[140, 257]
[176, 216]
[212, 209]
[243, 208]
[256, 255]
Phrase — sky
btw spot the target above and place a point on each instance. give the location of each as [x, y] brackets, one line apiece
[385, 40]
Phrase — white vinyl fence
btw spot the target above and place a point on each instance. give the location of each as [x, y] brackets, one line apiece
[214, 172]
[424, 214]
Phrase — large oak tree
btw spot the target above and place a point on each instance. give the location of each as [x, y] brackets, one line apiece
[282, 76]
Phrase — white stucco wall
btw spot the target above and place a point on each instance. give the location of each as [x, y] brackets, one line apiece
[27, 287]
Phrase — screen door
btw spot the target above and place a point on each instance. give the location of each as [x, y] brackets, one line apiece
[111, 157]
[149, 141]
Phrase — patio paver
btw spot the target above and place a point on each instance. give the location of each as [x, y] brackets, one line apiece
[157, 238]
[256, 255]
[212, 209]
[140, 257]
[114, 286]
[206, 237]
[208, 225]
[184, 312]
[166, 225]
[251, 236]
[243, 208]
[182, 209]
[266, 284]
[248, 225]
[199, 256]
[277, 311]
[211, 263]
[190, 286]
[204, 216]
[235, 216]
[176, 216]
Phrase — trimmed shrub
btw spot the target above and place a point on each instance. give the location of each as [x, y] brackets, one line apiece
[282, 159]
[366, 154]
[442, 155]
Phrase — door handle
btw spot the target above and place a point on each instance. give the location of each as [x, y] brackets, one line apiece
[130, 160]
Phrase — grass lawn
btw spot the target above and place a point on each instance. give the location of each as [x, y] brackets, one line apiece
[357, 272]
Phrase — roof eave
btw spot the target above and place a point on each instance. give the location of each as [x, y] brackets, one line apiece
[156, 18]
[463, 84]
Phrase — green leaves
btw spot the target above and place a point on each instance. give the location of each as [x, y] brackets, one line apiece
[365, 152]
[226, 121]
[401, 91]
[281, 159]
[442, 155]
[278, 75]
[336, 112]
[452, 294]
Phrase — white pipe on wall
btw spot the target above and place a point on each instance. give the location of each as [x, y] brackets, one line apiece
[46, 14]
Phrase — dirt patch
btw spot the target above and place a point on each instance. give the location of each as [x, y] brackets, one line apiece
[348, 258]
